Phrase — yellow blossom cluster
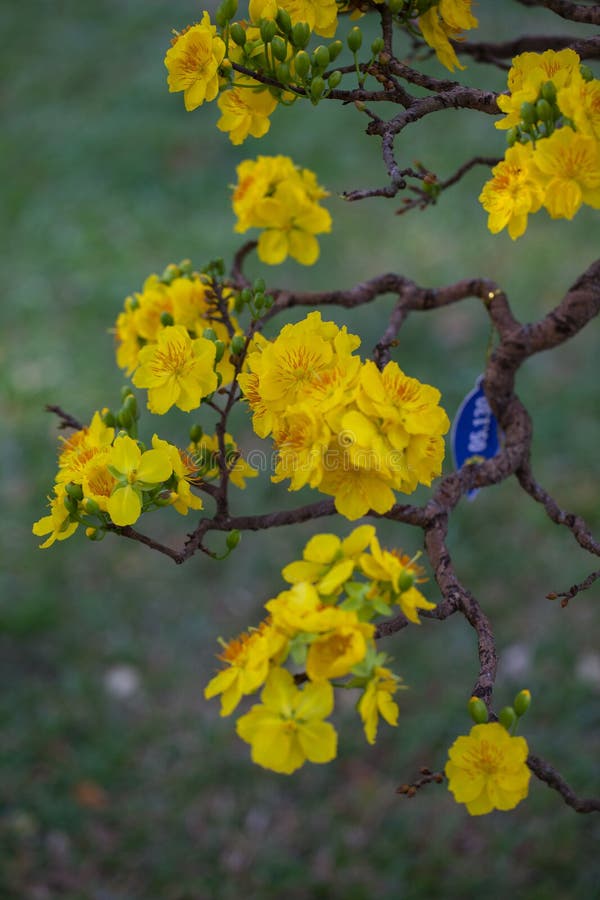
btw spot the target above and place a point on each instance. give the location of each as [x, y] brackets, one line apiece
[282, 199]
[553, 121]
[487, 769]
[339, 424]
[446, 20]
[323, 625]
[160, 338]
[105, 478]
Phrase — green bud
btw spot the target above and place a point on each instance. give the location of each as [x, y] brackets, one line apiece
[317, 87]
[233, 539]
[220, 18]
[238, 34]
[406, 581]
[246, 295]
[130, 405]
[377, 46]
[125, 392]
[528, 113]
[549, 92]
[170, 273]
[90, 507]
[522, 702]
[512, 136]
[478, 710]
[218, 265]
[335, 49]
[544, 111]
[238, 304]
[186, 267]
[282, 71]
[210, 334]
[220, 346]
[166, 319]
[320, 57]
[238, 342]
[70, 504]
[109, 419]
[230, 8]
[334, 79]
[395, 6]
[259, 301]
[283, 20]
[269, 300]
[95, 534]
[268, 30]
[219, 379]
[124, 418]
[354, 39]
[507, 717]
[196, 433]
[586, 72]
[302, 64]
[279, 47]
[74, 490]
[300, 35]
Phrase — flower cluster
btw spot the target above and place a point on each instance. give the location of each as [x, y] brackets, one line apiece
[444, 20]
[341, 425]
[283, 200]
[322, 624]
[107, 478]
[173, 336]
[487, 769]
[553, 158]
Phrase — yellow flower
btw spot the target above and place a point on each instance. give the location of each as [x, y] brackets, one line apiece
[394, 573]
[248, 658]
[80, 447]
[58, 524]
[134, 472]
[320, 15]
[336, 652]
[568, 164]
[513, 192]
[355, 490]
[186, 473]
[487, 769]
[302, 610]
[328, 562]
[97, 481]
[246, 110]
[377, 701]
[275, 195]
[176, 370]
[262, 9]
[193, 63]
[580, 102]
[288, 728]
[528, 73]
[447, 19]
[200, 454]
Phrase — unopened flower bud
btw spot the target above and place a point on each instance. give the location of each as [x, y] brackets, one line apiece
[283, 20]
[108, 417]
[549, 92]
[170, 273]
[395, 6]
[238, 342]
[70, 503]
[300, 35]
[166, 319]
[377, 46]
[220, 348]
[335, 49]
[246, 295]
[354, 39]
[586, 73]
[317, 87]
[268, 29]
[507, 717]
[478, 710]
[279, 47]
[522, 702]
[238, 34]
[95, 534]
[90, 506]
[210, 334]
[282, 71]
[196, 433]
[320, 57]
[124, 418]
[301, 65]
[528, 113]
[406, 581]
[74, 490]
[544, 111]
[130, 405]
[334, 79]
[512, 136]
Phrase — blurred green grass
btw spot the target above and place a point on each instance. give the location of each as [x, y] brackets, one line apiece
[148, 793]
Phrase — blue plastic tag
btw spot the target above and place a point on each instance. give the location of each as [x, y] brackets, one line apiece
[475, 434]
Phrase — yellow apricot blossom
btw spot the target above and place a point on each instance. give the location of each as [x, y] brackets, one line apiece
[134, 472]
[335, 653]
[376, 701]
[580, 102]
[319, 15]
[394, 574]
[245, 110]
[203, 456]
[529, 71]
[287, 728]
[58, 524]
[513, 192]
[568, 166]
[193, 63]
[442, 21]
[488, 770]
[327, 561]
[248, 658]
[177, 370]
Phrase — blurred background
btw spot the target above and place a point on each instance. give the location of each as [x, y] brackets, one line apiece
[118, 781]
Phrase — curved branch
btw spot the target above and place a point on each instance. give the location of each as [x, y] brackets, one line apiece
[575, 12]
[546, 773]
